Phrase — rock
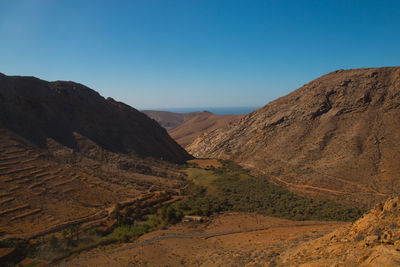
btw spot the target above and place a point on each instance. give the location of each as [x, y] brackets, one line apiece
[370, 240]
[375, 250]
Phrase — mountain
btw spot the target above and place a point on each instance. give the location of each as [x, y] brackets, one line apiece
[38, 110]
[185, 127]
[168, 119]
[68, 156]
[335, 137]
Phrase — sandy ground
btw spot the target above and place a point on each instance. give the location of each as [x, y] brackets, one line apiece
[257, 248]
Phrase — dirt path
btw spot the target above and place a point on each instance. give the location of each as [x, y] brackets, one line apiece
[195, 235]
[309, 187]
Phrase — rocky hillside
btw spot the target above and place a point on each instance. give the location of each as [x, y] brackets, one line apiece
[337, 136]
[373, 240]
[38, 110]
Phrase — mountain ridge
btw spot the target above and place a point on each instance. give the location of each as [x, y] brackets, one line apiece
[37, 109]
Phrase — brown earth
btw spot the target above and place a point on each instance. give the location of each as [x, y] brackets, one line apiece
[37, 110]
[253, 248]
[337, 136]
[185, 127]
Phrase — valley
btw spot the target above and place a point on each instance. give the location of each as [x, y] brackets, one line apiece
[77, 189]
[199, 133]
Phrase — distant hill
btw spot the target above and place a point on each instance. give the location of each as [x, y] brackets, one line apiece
[168, 119]
[185, 127]
[186, 132]
[37, 110]
[337, 136]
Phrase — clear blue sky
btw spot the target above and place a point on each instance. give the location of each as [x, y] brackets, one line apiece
[201, 53]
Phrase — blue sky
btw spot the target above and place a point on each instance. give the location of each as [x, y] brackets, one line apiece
[156, 54]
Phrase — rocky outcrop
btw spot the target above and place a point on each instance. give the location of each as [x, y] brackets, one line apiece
[337, 136]
[38, 110]
[373, 240]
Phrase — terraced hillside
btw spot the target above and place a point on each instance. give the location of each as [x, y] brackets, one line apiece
[39, 193]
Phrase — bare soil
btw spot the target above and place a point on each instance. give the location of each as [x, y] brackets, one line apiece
[239, 249]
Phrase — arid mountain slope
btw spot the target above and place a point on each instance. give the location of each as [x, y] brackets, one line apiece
[37, 110]
[373, 240]
[337, 136]
[205, 121]
[168, 119]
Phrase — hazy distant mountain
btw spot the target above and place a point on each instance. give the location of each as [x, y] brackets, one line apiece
[168, 119]
[337, 136]
[37, 110]
[185, 127]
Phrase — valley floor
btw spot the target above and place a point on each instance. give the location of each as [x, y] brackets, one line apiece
[253, 248]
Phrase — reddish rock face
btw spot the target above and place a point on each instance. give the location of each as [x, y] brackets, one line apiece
[37, 110]
[337, 136]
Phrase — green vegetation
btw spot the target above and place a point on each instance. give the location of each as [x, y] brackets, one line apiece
[231, 188]
[21, 247]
